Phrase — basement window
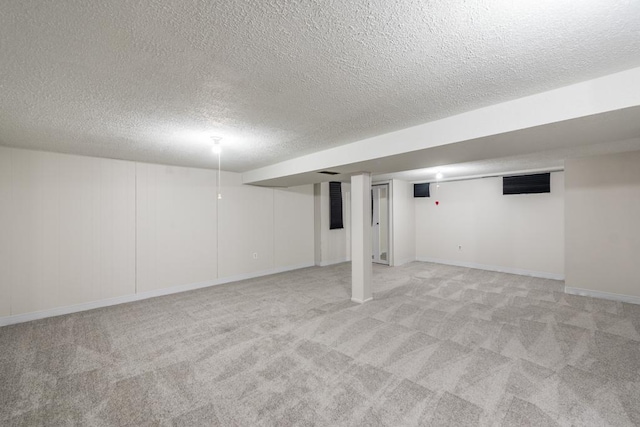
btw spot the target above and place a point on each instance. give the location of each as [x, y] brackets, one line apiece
[421, 190]
[527, 184]
[335, 205]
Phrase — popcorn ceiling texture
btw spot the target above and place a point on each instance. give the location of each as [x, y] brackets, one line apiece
[151, 81]
[545, 160]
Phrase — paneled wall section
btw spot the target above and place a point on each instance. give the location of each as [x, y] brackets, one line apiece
[70, 227]
[76, 229]
[176, 226]
[5, 231]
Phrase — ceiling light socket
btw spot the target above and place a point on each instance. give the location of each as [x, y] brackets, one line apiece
[217, 148]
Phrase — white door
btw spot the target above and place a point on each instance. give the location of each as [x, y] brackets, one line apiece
[380, 223]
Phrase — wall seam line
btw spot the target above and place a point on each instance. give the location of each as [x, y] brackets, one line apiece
[135, 225]
[218, 185]
[273, 228]
[12, 215]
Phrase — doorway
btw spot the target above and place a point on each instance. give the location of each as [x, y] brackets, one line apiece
[380, 223]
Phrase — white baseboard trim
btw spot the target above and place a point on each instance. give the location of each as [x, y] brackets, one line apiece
[518, 271]
[59, 311]
[327, 263]
[398, 263]
[360, 301]
[604, 295]
[267, 272]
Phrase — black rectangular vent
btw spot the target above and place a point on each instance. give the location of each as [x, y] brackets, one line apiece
[527, 184]
[421, 190]
[335, 205]
[330, 173]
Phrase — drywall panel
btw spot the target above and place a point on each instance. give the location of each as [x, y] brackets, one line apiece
[97, 224]
[335, 245]
[176, 226]
[293, 226]
[475, 224]
[603, 223]
[72, 230]
[6, 249]
[114, 228]
[317, 224]
[77, 230]
[35, 279]
[245, 228]
[403, 223]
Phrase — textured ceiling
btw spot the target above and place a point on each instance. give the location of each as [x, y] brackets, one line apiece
[546, 160]
[543, 147]
[151, 81]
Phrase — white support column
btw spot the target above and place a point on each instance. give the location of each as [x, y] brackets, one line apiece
[361, 266]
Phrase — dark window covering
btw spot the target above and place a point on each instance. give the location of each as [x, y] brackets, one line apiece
[527, 184]
[421, 190]
[335, 205]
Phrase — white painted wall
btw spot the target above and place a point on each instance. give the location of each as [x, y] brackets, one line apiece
[317, 224]
[246, 227]
[69, 231]
[293, 225]
[5, 230]
[403, 223]
[176, 226]
[603, 225]
[334, 245]
[79, 230]
[517, 233]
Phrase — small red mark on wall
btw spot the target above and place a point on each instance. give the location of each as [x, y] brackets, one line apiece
[437, 203]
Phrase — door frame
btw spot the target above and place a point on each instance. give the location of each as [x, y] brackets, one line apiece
[389, 260]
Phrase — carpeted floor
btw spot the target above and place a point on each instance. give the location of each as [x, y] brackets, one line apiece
[438, 346]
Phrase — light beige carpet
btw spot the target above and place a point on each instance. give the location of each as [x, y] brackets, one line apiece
[438, 346]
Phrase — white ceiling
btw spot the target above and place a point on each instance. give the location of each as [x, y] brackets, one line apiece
[542, 161]
[536, 148]
[152, 81]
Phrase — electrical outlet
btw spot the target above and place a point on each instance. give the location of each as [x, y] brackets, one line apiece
[255, 255]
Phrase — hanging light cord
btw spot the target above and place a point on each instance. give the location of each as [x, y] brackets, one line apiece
[219, 177]
[217, 149]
